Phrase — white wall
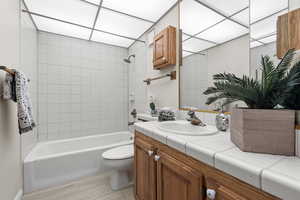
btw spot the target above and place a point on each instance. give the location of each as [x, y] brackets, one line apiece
[197, 70]
[164, 91]
[83, 87]
[29, 67]
[10, 150]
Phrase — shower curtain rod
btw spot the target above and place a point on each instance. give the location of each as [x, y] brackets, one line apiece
[4, 68]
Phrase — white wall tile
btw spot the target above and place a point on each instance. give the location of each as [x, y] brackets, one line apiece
[82, 87]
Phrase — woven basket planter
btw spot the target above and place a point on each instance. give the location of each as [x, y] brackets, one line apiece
[264, 131]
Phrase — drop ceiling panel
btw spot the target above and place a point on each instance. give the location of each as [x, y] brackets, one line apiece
[227, 7]
[57, 27]
[265, 27]
[224, 31]
[147, 9]
[195, 17]
[69, 10]
[262, 8]
[111, 39]
[242, 17]
[255, 44]
[121, 24]
[185, 36]
[185, 53]
[270, 39]
[196, 45]
[94, 1]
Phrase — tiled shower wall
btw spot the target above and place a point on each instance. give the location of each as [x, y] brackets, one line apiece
[83, 88]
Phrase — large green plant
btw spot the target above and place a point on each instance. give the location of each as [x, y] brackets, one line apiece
[274, 88]
[293, 101]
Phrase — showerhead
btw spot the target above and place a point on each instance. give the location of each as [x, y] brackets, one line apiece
[127, 60]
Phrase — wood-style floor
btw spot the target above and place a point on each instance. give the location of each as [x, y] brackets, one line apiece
[88, 188]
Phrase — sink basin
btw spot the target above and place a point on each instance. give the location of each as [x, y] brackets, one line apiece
[185, 128]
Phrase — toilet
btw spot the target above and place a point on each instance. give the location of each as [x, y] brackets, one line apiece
[120, 159]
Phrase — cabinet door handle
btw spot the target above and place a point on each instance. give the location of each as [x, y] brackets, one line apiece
[150, 153]
[156, 157]
[211, 194]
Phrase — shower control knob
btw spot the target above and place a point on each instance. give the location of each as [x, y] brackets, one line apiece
[150, 153]
[211, 194]
[156, 157]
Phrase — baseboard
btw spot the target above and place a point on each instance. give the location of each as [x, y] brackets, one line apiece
[19, 195]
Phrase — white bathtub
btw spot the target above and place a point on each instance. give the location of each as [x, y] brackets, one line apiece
[57, 162]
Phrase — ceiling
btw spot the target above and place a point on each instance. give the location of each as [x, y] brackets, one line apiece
[115, 22]
[205, 23]
[208, 23]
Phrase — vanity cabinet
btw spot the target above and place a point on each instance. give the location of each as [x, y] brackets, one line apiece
[163, 173]
[176, 180]
[145, 171]
[164, 48]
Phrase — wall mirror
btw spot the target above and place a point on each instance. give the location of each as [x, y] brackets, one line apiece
[215, 39]
[266, 18]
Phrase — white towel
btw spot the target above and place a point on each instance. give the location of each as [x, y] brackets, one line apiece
[19, 83]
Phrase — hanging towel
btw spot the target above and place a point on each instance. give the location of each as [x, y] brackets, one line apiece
[9, 88]
[16, 88]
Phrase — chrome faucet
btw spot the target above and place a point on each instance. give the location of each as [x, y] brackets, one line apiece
[193, 118]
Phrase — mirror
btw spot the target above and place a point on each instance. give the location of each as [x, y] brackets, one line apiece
[215, 39]
[264, 16]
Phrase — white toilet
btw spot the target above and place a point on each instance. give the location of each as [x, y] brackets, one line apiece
[120, 159]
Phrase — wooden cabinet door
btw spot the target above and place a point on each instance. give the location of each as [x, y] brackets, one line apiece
[288, 32]
[282, 35]
[177, 181]
[145, 171]
[164, 50]
[294, 29]
[160, 52]
[216, 191]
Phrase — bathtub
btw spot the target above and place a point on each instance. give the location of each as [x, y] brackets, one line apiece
[56, 162]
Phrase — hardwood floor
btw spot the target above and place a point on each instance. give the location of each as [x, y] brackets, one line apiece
[88, 188]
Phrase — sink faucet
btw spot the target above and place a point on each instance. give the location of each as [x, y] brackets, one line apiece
[193, 118]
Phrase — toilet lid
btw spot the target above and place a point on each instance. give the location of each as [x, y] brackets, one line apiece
[118, 153]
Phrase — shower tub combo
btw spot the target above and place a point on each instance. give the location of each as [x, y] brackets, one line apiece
[56, 162]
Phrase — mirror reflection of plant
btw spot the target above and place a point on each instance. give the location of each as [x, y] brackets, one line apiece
[274, 88]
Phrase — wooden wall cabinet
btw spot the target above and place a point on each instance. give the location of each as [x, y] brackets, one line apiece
[163, 173]
[164, 48]
[288, 32]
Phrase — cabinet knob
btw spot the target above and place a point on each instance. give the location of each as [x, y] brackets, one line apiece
[156, 157]
[211, 194]
[150, 153]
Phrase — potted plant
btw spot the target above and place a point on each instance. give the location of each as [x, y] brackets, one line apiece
[261, 127]
[293, 102]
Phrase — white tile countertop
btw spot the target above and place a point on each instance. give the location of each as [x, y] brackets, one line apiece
[277, 175]
[146, 117]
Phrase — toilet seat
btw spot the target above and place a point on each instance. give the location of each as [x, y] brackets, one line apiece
[119, 153]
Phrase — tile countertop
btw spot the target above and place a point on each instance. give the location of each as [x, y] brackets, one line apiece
[146, 117]
[277, 175]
